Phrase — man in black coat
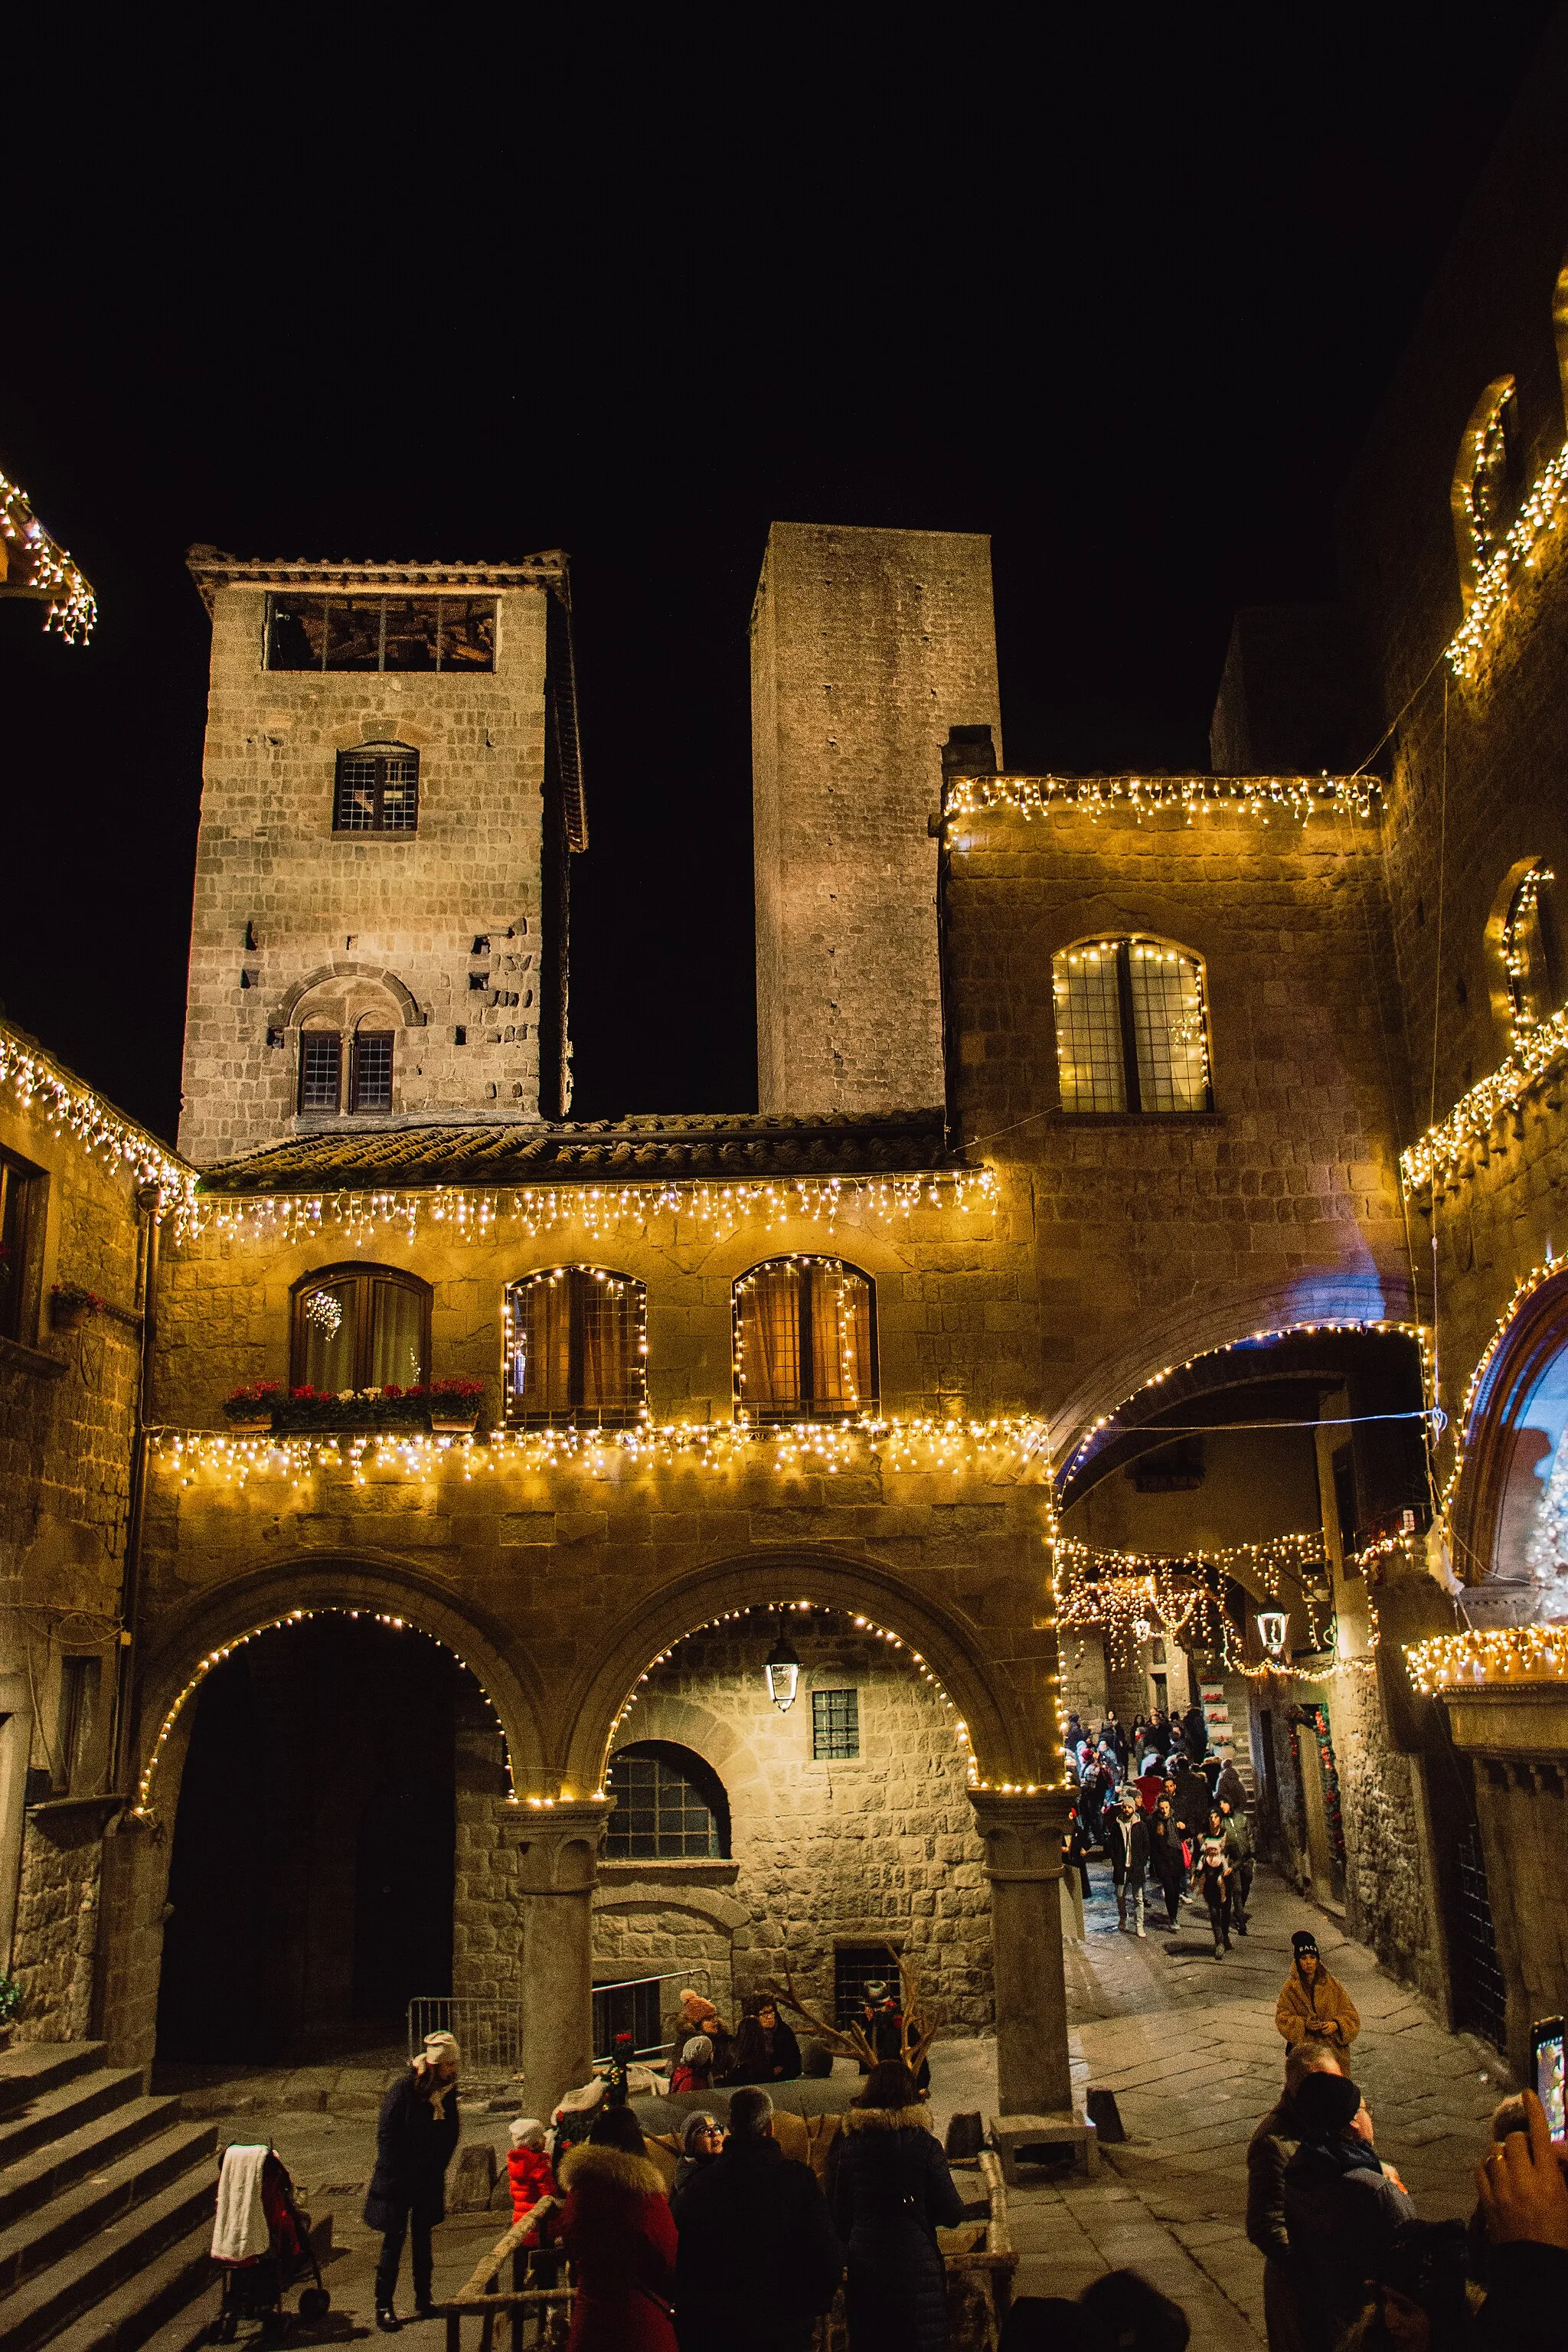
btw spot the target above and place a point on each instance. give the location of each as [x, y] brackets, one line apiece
[759, 2261]
[415, 2138]
[1127, 1843]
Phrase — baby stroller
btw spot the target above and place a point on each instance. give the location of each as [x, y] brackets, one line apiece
[261, 2242]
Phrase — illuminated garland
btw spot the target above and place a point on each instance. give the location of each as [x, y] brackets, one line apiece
[67, 1108]
[1440, 1155]
[50, 571]
[142, 1808]
[1488, 458]
[1006, 1447]
[1275, 1555]
[1503, 1653]
[470, 1213]
[1549, 1268]
[1516, 958]
[1264, 797]
[1251, 1339]
[1521, 551]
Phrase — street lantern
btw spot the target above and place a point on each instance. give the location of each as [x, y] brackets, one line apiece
[781, 1671]
[1272, 1625]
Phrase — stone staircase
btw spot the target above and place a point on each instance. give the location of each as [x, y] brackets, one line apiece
[106, 2202]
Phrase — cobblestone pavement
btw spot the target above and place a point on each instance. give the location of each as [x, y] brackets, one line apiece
[1188, 2046]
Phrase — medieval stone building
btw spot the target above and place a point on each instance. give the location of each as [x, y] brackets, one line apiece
[529, 1556]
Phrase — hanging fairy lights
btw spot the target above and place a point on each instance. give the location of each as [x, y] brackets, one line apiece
[1292, 799]
[33, 564]
[1547, 1270]
[1443, 1155]
[997, 1451]
[142, 1808]
[1522, 950]
[67, 1108]
[1483, 1657]
[467, 1214]
[1525, 546]
[1263, 1562]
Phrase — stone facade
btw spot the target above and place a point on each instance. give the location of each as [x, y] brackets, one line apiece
[867, 647]
[69, 1383]
[437, 935]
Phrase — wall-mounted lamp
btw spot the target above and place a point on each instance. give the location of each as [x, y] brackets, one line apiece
[781, 1671]
[1272, 1626]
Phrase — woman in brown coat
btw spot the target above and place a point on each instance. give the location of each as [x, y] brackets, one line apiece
[1314, 2006]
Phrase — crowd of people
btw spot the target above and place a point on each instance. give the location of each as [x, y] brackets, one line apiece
[1169, 1816]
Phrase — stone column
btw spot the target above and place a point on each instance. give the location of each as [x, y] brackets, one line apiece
[1022, 1841]
[559, 1868]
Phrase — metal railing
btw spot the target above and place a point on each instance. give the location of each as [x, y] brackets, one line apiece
[489, 2032]
[698, 1979]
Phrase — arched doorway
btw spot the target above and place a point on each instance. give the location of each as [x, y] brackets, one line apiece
[311, 1874]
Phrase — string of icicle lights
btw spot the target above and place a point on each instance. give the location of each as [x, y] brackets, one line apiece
[1444, 1152]
[1502, 1653]
[67, 1108]
[469, 1214]
[39, 566]
[1292, 799]
[1003, 1449]
[1525, 546]
[142, 1808]
[1546, 1271]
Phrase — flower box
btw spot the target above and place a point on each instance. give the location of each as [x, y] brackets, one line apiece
[446, 1407]
[253, 1407]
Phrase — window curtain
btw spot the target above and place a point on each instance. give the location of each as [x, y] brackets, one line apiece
[770, 1339]
[606, 1346]
[329, 1319]
[841, 1378]
[542, 1341]
[396, 1340]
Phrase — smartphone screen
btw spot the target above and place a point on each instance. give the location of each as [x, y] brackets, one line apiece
[1546, 2065]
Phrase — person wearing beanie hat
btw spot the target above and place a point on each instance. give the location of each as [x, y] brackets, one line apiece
[693, 2070]
[414, 2140]
[528, 2169]
[1342, 2207]
[1313, 2006]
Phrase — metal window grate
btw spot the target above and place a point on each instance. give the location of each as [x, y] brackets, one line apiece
[370, 1080]
[1168, 1029]
[659, 1814]
[855, 1966]
[320, 1069]
[377, 792]
[1130, 1027]
[1481, 1993]
[488, 2033]
[835, 1725]
[1089, 1029]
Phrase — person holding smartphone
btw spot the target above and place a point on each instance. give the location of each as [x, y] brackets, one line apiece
[1524, 2187]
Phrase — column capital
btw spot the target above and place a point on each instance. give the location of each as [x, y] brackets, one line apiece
[560, 1845]
[1021, 1833]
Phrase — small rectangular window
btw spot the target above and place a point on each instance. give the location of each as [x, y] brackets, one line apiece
[75, 1747]
[370, 1070]
[835, 1725]
[381, 633]
[377, 792]
[21, 1246]
[320, 1069]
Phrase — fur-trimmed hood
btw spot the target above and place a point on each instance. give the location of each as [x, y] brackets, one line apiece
[887, 2120]
[611, 2168]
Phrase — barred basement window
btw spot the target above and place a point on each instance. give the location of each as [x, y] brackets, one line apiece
[835, 1725]
[359, 1328]
[670, 1806]
[577, 1345]
[805, 1341]
[320, 1069]
[377, 789]
[381, 633]
[1132, 1027]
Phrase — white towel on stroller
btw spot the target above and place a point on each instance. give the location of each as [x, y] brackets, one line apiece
[240, 2232]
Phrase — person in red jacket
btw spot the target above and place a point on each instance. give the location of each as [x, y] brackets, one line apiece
[528, 2166]
[620, 2240]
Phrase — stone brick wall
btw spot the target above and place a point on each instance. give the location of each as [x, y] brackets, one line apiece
[67, 1407]
[355, 906]
[878, 1849]
[866, 647]
[1391, 1895]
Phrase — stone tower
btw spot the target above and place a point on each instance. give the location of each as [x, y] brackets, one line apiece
[867, 647]
[390, 795]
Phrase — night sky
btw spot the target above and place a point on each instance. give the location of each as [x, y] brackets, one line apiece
[455, 291]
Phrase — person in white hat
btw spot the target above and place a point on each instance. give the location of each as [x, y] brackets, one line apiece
[414, 2141]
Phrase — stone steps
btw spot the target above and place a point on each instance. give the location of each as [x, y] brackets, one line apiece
[106, 2202]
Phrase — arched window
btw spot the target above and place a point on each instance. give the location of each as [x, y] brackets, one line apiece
[670, 1806]
[361, 1326]
[1132, 1027]
[1489, 479]
[377, 789]
[805, 1341]
[1529, 952]
[577, 1348]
